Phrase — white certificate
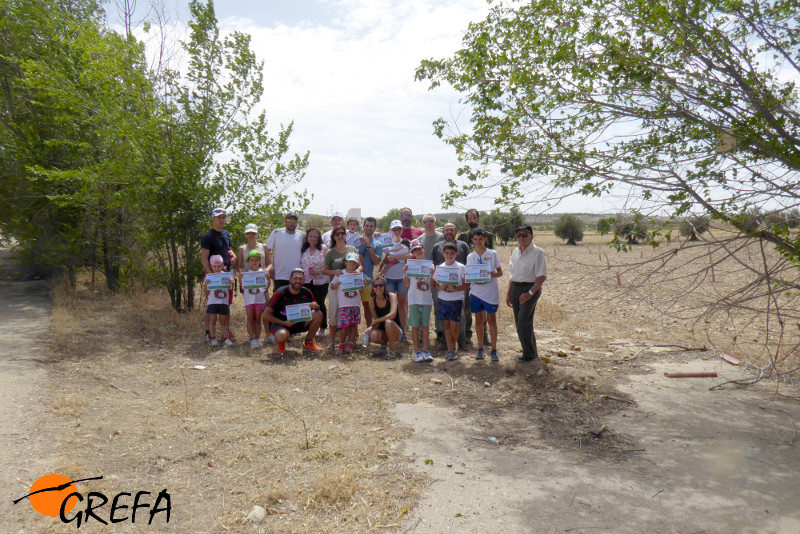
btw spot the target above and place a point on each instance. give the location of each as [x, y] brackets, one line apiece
[254, 280]
[448, 275]
[352, 281]
[419, 268]
[478, 274]
[386, 239]
[352, 239]
[298, 313]
[218, 280]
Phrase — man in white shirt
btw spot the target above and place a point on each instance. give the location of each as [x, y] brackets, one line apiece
[336, 221]
[528, 272]
[285, 244]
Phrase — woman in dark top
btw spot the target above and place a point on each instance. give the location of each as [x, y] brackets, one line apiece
[383, 306]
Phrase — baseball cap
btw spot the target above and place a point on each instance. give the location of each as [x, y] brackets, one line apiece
[477, 231]
[251, 228]
[352, 257]
[416, 244]
[253, 254]
[291, 214]
[525, 227]
[216, 259]
[395, 224]
[337, 214]
[219, 211]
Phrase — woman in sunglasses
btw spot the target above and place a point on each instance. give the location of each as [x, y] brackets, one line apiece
[334, 266]
[384, 329]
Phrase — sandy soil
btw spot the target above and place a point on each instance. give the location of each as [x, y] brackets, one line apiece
[597, 441]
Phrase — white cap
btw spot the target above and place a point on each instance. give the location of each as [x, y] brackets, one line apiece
[395, 224]
[219, 211]
[337, 214]
[251, 228]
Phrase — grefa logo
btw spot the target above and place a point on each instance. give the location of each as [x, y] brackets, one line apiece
[56, 496]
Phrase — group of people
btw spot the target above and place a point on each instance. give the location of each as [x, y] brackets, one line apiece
[324, 282]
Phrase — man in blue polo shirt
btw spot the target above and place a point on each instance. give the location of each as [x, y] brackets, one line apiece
[369, 251]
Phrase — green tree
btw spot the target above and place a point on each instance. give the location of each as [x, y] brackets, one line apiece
[570, 228]
[315, 220]
[386, 220]
[709, 123]
[210, 112]
[75, 129]
[692, 227]
[631, 227]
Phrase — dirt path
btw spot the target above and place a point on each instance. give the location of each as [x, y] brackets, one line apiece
[705, 462]
[25, 320]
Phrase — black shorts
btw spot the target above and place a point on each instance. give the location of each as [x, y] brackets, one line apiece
[218, 309]
[297, 328]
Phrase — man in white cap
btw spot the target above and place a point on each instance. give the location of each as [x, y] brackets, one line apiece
[336, 220]
[216, 241]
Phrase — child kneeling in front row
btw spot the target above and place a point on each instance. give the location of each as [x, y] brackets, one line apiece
[217, 305]
[349, 312]
[255, 298]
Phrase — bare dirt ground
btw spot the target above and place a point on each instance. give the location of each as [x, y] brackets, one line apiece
[598, 440]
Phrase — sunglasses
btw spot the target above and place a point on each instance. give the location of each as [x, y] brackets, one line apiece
[522, 236]
[405, 216]
[378, 285]
[428, 222]
[337, 234]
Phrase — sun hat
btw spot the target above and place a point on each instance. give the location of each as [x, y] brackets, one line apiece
[219, 211]
[254, 254]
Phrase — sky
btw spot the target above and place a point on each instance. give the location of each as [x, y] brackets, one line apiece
[343, 71]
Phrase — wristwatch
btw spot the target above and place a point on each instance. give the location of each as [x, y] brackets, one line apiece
[530, 292]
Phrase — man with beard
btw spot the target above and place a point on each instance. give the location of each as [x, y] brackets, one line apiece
[281, 328]
[370, 250]
[462, 251]
[473, 218]
[409, 232]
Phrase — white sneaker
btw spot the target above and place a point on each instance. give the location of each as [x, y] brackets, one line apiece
[213, 342]
[418, 357]
[270, 340]
[253, 343]
[229, 342]
[426, 356]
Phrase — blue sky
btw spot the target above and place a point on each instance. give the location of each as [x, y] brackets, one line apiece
[343, 71]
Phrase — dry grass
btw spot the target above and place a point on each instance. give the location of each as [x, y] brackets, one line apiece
[311, 440]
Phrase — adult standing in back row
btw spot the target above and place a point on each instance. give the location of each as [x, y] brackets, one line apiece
[527, 273]
[409, 232]
[285, 244]
[216, 242]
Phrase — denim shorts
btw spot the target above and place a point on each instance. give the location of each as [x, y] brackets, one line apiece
[396, 286]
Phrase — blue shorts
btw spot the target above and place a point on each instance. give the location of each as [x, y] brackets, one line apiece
[396, 286]
[449, 310]
[477, 305]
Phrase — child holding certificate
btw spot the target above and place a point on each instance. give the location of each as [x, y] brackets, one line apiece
[349, 312]
[449, 282]
[484, 296]
[218, 303]
[420, 303]
[254, 283]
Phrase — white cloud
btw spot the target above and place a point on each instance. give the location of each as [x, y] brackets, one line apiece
[349, 86]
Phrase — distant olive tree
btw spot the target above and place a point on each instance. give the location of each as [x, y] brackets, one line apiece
[631, 227]
[692, 227]
[570, 228]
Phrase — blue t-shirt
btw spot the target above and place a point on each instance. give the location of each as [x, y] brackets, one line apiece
[369, 267]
